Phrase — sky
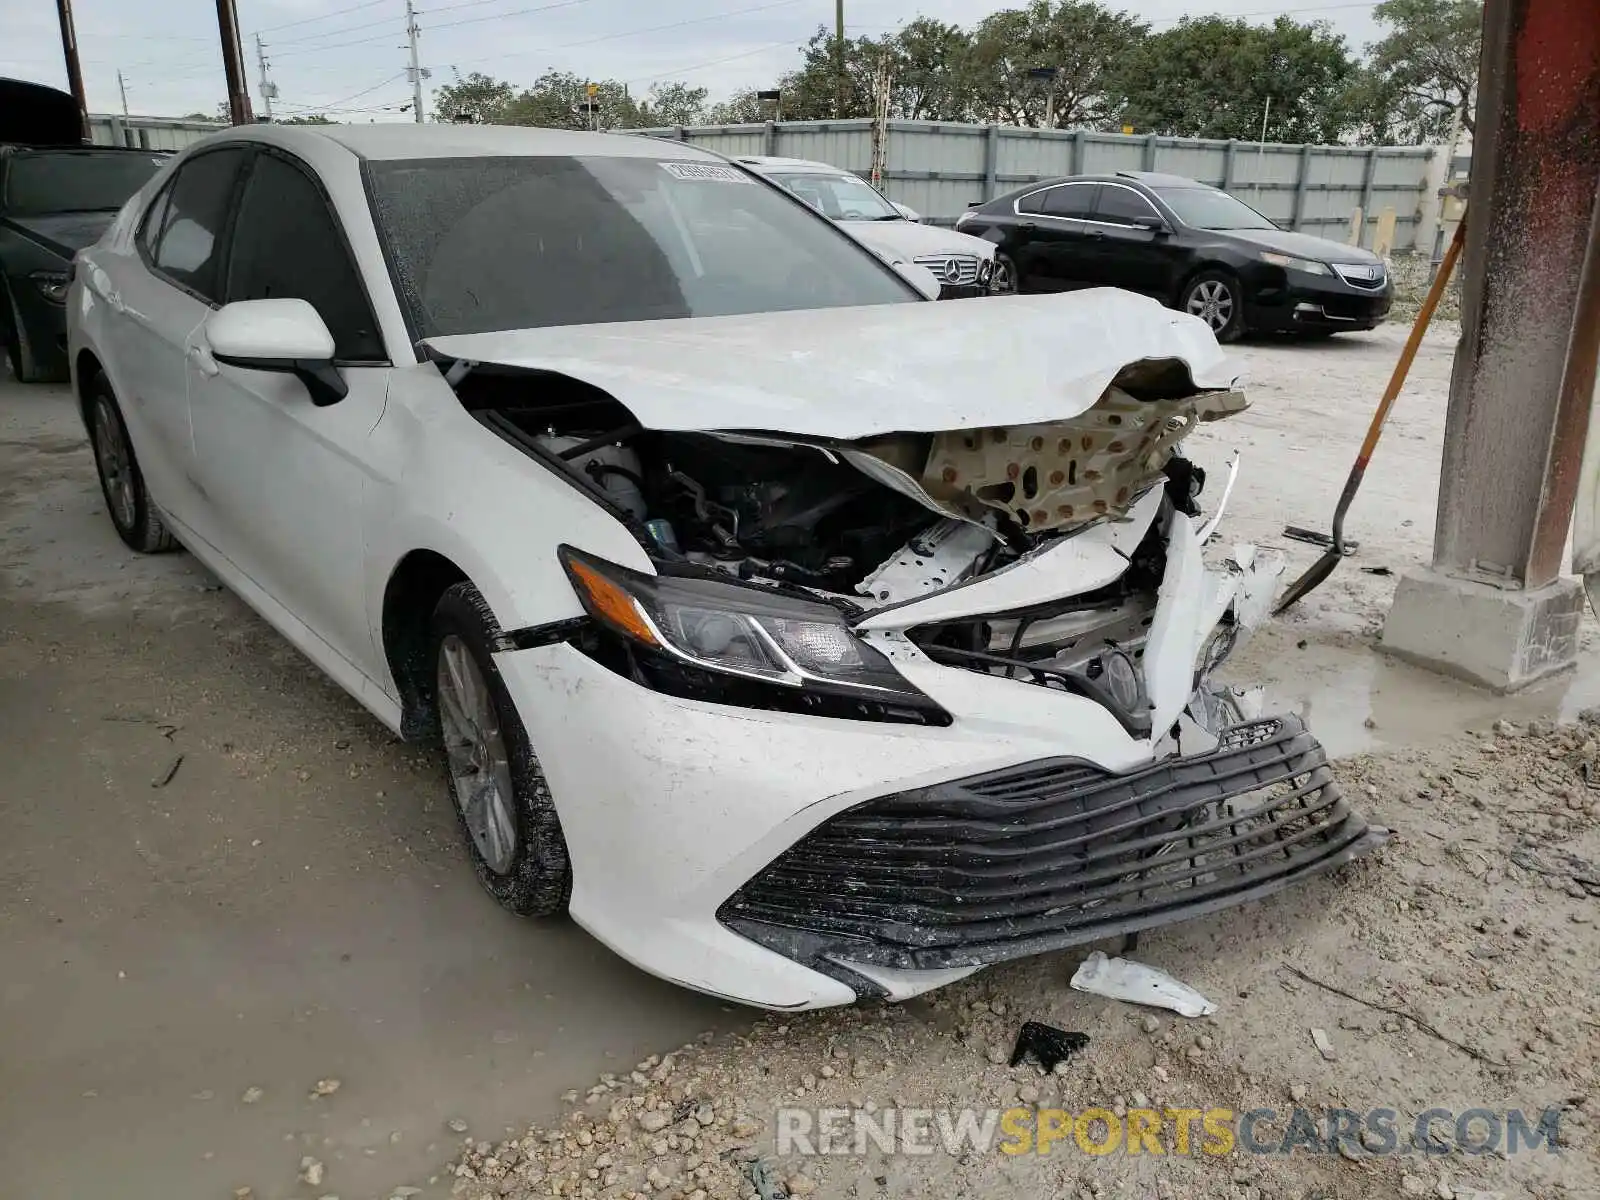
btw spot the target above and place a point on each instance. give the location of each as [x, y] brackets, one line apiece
[348, 58]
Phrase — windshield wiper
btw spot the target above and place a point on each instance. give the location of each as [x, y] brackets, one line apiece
[889, 217]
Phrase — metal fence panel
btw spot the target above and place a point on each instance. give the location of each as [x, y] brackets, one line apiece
[941, 168]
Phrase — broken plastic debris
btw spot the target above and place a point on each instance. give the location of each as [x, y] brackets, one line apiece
[1046, 1045]
[1124, 979]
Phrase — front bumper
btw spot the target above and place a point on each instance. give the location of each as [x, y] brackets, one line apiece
[1050, 854]
[956, 291]
[1320, 303]
[44, 326]
[702, 836]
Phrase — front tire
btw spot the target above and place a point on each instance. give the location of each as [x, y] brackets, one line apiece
[507, 815]
[1218, 300]
[1005, 281]
[24, 363]
[121, 482]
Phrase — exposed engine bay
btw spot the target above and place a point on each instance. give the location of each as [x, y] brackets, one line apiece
[873, 526]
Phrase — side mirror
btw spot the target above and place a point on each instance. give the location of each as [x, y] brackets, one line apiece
[919, 277]
[1151, 225]
[906, 211]
[278, 335]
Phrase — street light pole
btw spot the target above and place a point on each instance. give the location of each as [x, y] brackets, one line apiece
[69, 51]
[416, 69]
[838, 52]
[233, 64]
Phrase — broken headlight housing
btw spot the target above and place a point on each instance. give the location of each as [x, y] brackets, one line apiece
[728, 642]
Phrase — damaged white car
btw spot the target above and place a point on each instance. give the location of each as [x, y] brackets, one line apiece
[807, 641]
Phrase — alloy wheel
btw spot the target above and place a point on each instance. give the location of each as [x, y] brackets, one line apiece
[1004, 280]
[1211, 301]
[115, 463]
[480, 768]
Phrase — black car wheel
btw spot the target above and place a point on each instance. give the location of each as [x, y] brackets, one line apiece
[507, 815]
[1215, 297]
[122, 483]
[1004, 281]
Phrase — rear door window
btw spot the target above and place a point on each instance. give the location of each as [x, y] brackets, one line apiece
[1070, 200]
[1123, 206]
[189, 249]
[287, 244]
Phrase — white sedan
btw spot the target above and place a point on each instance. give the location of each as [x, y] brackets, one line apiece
[804, 640]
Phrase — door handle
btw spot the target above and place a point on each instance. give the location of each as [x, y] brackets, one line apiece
[1030, 225]
[200, 356]
[1097, 235]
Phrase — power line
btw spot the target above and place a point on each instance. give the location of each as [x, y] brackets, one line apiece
[495, 16]
[338, 12]
[636, 32]
[384, 82]
[327, 33]
[715, 62]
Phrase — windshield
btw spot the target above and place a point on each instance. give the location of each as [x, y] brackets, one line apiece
[481, 244]
[1207, 208]
[59, 181]
[841, 197]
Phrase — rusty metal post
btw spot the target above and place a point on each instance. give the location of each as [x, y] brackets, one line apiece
[1494, 607]
[69, 51]
[233, 64]
[1513, 435]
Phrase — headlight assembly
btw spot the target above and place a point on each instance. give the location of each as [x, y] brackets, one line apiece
[52, 285]
[1290, 262]
[736, 643]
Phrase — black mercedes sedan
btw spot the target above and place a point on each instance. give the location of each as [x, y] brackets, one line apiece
[1191, 246]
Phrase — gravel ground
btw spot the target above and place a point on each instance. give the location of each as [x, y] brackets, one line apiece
[1467, 928]
[1412, 274]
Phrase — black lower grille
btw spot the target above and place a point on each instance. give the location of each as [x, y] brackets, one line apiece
[1038, 857]
[961, 291]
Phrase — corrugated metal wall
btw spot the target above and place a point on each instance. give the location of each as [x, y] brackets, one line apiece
[147, 133]
[940, 169]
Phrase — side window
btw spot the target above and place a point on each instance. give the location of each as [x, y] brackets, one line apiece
[196, 215]
[1123, 206]
[1033, 202]
[155, 218]
[1069, 200]
[286, 243]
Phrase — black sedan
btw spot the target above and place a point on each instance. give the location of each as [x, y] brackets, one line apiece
[1191, 246]
[53, 202]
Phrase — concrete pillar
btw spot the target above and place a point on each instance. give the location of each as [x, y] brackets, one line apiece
[1494, 608]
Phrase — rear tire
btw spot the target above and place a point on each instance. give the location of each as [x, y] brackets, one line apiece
[496, 785]
[1218, 300]
[121, 482]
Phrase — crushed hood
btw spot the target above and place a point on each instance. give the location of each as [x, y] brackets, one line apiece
[854, 373]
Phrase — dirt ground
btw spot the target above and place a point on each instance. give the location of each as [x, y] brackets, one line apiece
[288, 903]
[1468, 928]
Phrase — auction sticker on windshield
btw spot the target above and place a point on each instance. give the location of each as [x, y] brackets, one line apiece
[708, 172]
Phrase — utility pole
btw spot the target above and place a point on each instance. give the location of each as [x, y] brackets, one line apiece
[415, 70]
[269, 90]
[838, 51]
[122, 90]
[233, 63]
[69, 51]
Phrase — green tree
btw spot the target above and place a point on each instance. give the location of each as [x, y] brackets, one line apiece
[308, 119]
[478, 96]
[1086, 43]
[1427, 65]
[742, 108]
[932, 71]
[557, 100]
[674, 103]
[1216, 78]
